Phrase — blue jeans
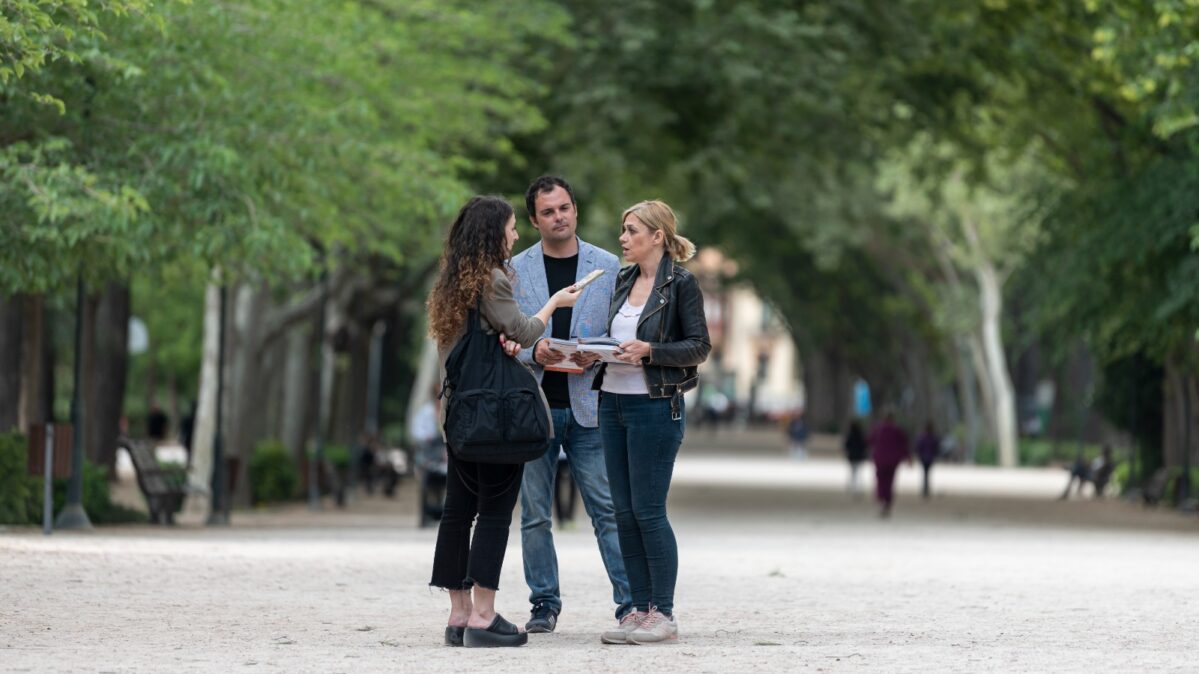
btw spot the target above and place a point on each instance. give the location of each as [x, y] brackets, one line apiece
[641, 441]
[583, 448]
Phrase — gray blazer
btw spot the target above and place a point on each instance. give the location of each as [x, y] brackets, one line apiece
[588, 319]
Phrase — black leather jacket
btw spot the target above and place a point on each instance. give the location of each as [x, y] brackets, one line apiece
[674, 325]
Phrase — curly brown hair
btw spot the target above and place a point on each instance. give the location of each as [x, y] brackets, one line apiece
[474, 247]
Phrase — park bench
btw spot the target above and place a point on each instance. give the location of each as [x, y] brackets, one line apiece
[1155, 487]
[164, 492]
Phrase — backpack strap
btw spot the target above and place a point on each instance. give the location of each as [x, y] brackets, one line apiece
[473, 316]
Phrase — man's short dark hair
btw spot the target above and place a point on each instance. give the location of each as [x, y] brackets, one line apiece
[543, 185]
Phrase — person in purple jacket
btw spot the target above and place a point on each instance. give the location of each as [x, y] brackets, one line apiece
[889, 448]
[928, 448]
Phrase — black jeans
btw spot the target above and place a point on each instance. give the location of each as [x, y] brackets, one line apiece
[490, 492]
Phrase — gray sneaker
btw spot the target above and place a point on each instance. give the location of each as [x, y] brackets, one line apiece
[619, 634]
[655, 628]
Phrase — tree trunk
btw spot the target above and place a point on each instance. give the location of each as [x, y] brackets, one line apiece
[991, 291]
[37, 371]
[826, 389]
[328, 372]
[350, 419]
[110, 358]
[982, 377]
[968, 396]
[204, 433]
[12, 313]
[247, 389]
[297, 391]
[1174, 411]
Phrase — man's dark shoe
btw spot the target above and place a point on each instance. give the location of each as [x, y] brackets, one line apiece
[544, 620]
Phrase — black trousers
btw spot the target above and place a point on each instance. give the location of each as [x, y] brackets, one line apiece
[486, 491]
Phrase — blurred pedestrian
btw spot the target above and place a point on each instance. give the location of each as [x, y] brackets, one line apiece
[1098, 472]
[855, 453]
[797, 433]
[928, 448]
[187, 428]
[157, 423]
[658, 314]
[889, 445]
[474, 274]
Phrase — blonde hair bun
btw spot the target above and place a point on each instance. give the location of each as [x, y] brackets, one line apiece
[659, 216]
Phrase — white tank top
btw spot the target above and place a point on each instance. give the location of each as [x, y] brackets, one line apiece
[622, 377]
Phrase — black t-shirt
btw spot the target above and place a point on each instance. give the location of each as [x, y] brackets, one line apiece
[559, 273]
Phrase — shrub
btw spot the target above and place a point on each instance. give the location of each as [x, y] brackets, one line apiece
[273, 475]
[1121, 476]
[339, 457]
[1172, 485]
[14, 483]
[21, 494]
[96, 498]
[1036, 452]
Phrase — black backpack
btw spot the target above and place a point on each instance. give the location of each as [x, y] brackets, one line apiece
[494, 412]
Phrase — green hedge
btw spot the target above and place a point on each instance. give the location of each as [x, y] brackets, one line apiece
[338, 456]
[15, 485]
[273, 474]
[21, 494]
[1172, 485]
[1037, 452]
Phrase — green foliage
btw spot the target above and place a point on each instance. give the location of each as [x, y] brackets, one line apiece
[37, 33]
[273, 474]
[1039, 452]
[1130, 397]
[21, 494]
[251, 136]
[1175, 476]
[1150, 48]
[97, 498]
[15, 486]
[338, 456]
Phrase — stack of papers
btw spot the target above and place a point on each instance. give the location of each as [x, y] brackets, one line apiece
[605, 347]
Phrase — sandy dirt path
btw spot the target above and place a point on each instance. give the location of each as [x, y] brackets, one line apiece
[780, 571]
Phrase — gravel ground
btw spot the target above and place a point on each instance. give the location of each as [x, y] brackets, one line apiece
[780, 571]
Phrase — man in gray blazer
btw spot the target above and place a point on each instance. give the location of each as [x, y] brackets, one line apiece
[559, 260]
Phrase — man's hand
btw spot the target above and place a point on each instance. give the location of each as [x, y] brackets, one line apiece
[633, 351]
[544, 355]
[584, 359]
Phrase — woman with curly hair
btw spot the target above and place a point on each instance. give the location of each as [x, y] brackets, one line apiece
[474, 272]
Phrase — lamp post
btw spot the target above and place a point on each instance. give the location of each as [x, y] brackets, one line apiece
[73, 516]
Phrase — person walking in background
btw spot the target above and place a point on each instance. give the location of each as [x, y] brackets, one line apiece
[797, 433]
[855, 453]
[889, 444]
[928, 448]
[157, 422]
[473, 273]
[657, 313]
[558, 260]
